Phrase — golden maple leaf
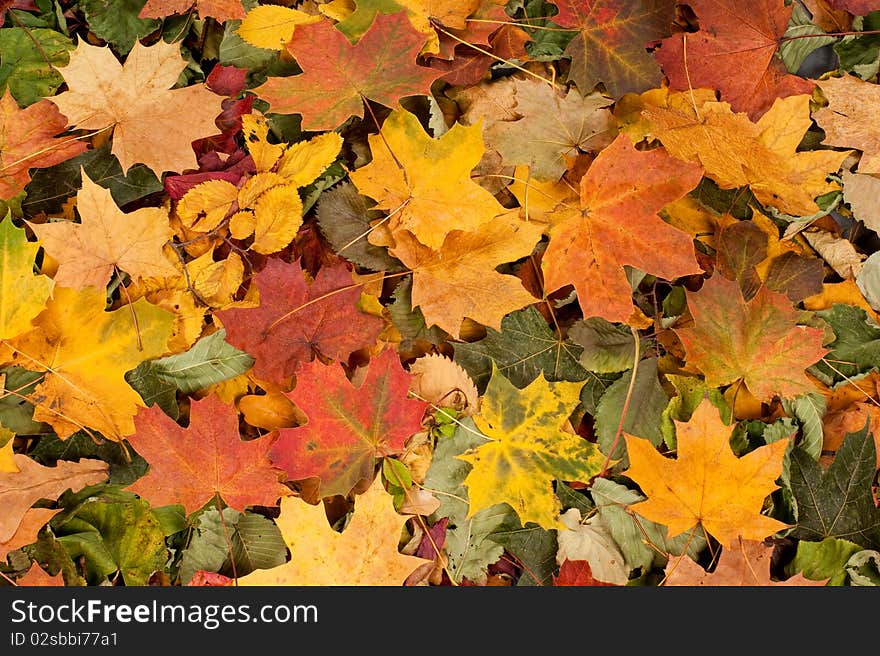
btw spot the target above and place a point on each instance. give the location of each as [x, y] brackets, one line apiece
[736, 152]
[424, 183]
[706, 484]
[106, 239]
[527, 449]
[365, 553]
[152, 123]
[85, 353]
[459, 279]
[24, 294]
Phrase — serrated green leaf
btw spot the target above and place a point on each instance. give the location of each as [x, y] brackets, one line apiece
[799, 45]
[29, 62]
[535, 550]
[856, 348]
[808, 409]
[823, 560]
[523, 349]
[607, 347]
[117, 22]
[838, 502]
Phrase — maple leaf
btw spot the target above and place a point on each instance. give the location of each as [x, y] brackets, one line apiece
[544, 125]
[38, 577]
[855, 7]
[349, 426]
[222, 10]
[28, 141]
[611, 42]
[191, 465]
[32, 522]
[459, 279]
[576, 573]
[135, 100]
[756, 341]
[848, 118]
[618, 224]
[296, 320]
[838, 501]
[106, 240]
[85, 352]
[706, 484]
[24, 294]
[424, 183]
[734, 52]
[339, 77]
[365, 553]
[527, 449]
[33, 481]
[735, 152]
[746, 563]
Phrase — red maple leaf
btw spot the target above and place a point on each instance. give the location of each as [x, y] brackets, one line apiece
[295, 320]
[191, 465]
[576, 573]
[337, 76]
[735, 53]
[348, 426]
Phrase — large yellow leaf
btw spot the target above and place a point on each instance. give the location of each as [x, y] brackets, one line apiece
[365, 553]
[85, 353]
[271, 26]
[22, 294]
[107, 239]
[527, 448]
[425, 183]
[736, 152]
[459, 280]
[151, 122]
[707, 484]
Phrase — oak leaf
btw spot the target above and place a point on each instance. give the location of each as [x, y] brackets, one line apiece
[758, 341]
[425, 183]
[85, 353]
[736, 152]
[33, 481]
[339, 77]
[618, 224]
[746, 563]
[222, 10]
[28, 141]
[135, 100]
[848, 118]
[706, 484]
[365, 553]
[349, 426]
[106, 240]
[191, 465]
[24, 294]
[611, 42]
[527, 448]
[735, 52]
[459, 279]
[296, 320]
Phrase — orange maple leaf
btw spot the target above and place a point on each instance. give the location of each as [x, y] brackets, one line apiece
[707, 484]
[618, 224]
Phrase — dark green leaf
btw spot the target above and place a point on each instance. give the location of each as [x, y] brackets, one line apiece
[117, 22]
[856, 348]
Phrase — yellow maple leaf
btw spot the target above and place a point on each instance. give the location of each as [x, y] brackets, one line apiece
[272, 26]
[707, 484]
[365, 553]
[459, 280]
[23, 295]
[135, 100]
[85, 353]
[425, 183]
[736, 152]
[107, 239]
[527, 449]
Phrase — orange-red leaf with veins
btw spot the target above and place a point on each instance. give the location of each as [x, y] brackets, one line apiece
[222, 10]
[28, 141]
[348, 426]
[337, 76]
[191, 465]
[756, 341]
[296, 320]
[735, 53]
[621, 193]
[611, 42]
[576, 573]
[855, 7]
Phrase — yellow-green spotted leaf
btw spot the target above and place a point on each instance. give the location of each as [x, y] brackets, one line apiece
[23, 295]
